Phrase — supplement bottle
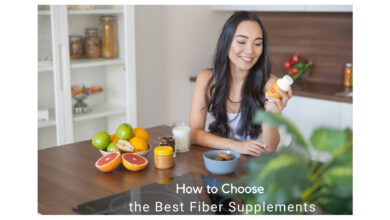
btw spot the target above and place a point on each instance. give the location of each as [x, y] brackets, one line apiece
[281, 84]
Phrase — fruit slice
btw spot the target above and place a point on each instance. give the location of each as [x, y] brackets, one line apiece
[124, 146]
[108, 162]
[134, 162]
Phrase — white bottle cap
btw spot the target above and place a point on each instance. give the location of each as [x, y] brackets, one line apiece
[348, 64]
[285, 82]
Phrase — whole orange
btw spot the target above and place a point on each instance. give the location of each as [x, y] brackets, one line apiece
[113, 138]
[140, 132]
[139, 144]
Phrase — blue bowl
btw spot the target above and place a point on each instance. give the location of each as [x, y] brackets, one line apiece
[221, 167]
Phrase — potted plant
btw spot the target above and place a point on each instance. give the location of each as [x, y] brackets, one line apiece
[290, 178]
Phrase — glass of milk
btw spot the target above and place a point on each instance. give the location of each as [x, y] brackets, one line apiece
[181, 132]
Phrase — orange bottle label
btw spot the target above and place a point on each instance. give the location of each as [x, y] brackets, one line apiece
[272, 92]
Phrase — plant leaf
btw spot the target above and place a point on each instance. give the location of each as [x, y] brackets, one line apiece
[327, 139]
[276, 120]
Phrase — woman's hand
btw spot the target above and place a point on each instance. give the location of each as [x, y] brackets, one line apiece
[251, 147]
[277, 105]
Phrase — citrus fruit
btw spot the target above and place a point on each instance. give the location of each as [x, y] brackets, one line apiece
[112, 147]
[101, 140]
[134, 162]
[140, 132]
[124, 132]
[113, 138]
[139, 144]
[124, 146]
[108, 162]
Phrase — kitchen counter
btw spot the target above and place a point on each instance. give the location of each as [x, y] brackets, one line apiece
[67, 175]
[319, 90]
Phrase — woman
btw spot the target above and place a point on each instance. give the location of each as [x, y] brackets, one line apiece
[234, 88]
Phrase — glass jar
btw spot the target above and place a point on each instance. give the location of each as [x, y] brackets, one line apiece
[75, 47]
[163, 157]
[108, 41]
[348, 75]
[91, 43]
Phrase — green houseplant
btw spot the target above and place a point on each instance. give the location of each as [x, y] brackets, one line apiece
[289, 178]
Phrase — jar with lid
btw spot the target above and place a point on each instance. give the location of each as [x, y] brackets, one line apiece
[163, 157]
[91, 43]
[75, 46]
[108, 40]
[348, 75]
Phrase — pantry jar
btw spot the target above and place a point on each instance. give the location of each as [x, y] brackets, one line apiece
[91, 43]
[75, 46]
[163, 157]
[108, 40]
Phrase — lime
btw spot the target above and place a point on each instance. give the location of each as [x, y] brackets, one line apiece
[101, 140]
[124, 132]
[111, 147]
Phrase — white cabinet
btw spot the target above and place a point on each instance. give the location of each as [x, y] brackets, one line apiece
[285, 8]
[57, 73]
[309, 114]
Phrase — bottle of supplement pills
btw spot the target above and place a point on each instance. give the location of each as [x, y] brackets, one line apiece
[163, 157]
[281, 84]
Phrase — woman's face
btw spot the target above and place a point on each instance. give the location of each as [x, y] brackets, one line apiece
[247, 45]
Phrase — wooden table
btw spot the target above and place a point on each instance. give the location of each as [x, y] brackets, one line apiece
[67, 175]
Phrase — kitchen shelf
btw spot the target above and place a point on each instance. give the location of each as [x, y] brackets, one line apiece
[83, 63]
[87, 12]
[98, 111]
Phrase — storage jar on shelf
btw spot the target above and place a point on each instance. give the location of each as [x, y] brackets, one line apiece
[91, 43]
[75, 46]
[108, 39]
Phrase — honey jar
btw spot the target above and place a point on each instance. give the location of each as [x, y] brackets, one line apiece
[163, 157]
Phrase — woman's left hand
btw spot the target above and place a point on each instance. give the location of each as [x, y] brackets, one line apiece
[277, 105]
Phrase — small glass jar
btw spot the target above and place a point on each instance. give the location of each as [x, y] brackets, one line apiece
[75, 47]
[163, 157]
[91, 43]
[348, 75]
[108, 40]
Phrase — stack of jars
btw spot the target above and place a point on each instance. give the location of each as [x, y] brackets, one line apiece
[91, 46]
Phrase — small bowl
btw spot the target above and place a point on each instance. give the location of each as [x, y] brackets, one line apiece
[221, 167]
[143, 153]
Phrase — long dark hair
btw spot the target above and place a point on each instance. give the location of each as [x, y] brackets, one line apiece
[252, 90]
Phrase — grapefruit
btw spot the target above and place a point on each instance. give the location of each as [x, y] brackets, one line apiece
[140, 132]
[109, 162]
[134, 162]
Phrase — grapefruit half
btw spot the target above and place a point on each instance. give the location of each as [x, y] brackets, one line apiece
[134, 162]
[109, 162]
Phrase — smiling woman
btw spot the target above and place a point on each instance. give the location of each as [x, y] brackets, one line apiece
[234, 88]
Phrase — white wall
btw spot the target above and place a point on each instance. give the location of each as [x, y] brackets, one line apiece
[173, 43]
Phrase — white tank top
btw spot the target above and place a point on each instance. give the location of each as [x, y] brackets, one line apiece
[233, 122]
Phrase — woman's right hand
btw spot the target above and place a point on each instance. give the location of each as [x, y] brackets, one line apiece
[250, 147]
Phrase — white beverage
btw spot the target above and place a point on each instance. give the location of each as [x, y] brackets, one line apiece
[182, 138]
